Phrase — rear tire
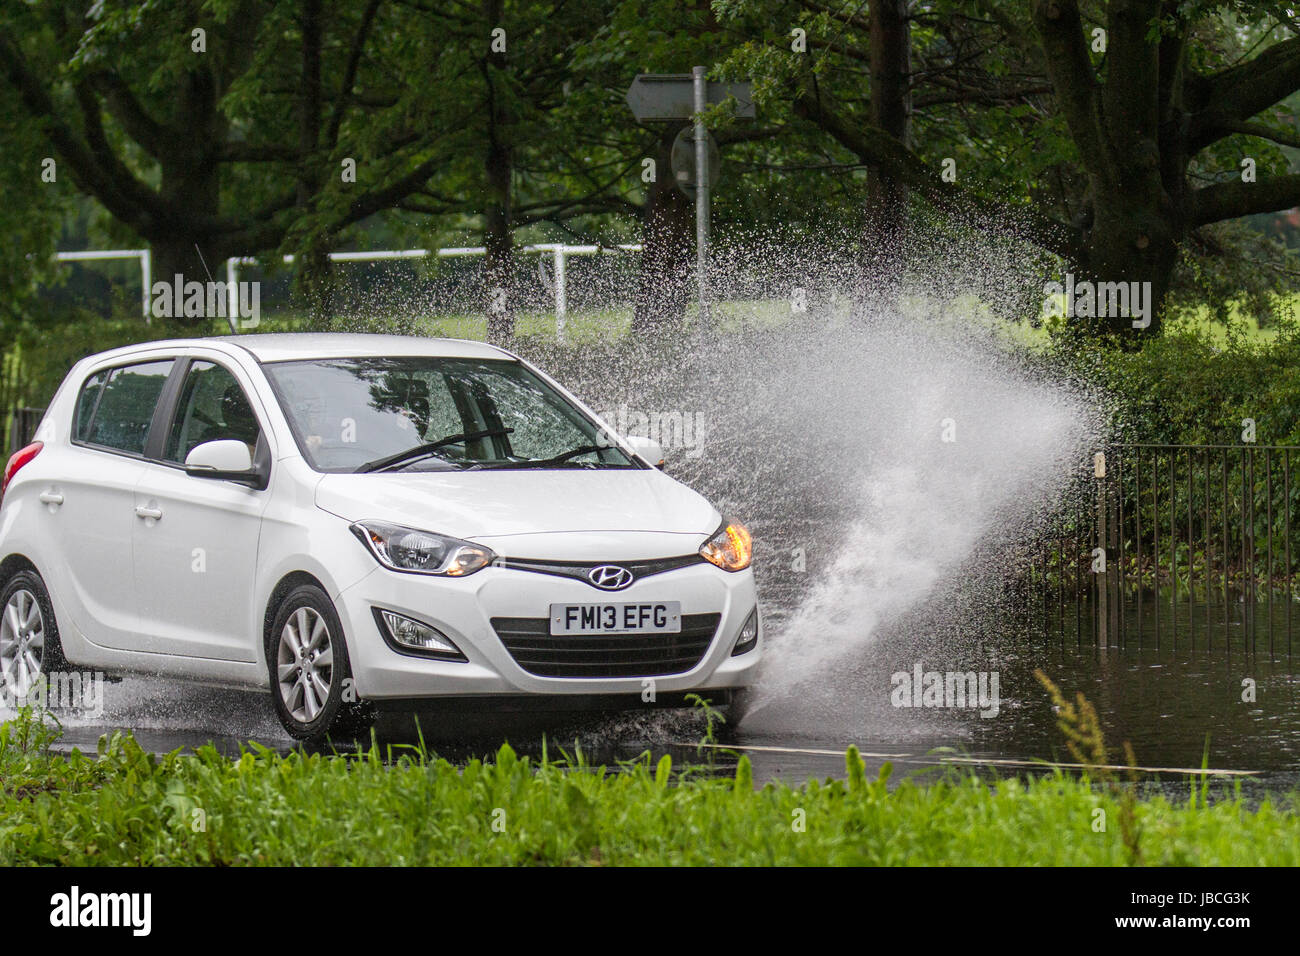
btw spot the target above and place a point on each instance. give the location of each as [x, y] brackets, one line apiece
[307, 660]
[29, 636]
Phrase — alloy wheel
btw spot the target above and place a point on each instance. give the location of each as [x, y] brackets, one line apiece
[22, 642]
[305, 664]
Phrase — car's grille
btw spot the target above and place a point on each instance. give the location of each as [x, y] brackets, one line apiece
[536, 650]
[581, 569]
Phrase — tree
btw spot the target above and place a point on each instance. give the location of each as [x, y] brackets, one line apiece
[1148, 93]
[213, 130]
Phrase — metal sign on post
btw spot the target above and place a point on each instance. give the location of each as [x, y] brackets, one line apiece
[682, 161]
[670, 97]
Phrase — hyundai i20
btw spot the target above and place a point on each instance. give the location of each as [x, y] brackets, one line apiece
[356, 520]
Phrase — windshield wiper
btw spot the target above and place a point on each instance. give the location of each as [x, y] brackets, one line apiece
[423, 451]
[572, 453]
[542, 462]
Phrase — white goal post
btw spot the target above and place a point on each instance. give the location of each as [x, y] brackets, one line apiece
[560, 253]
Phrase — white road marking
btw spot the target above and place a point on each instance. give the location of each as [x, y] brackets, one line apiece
[974, 761]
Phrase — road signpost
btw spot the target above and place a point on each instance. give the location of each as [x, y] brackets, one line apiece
[672, 97]
[699, 84]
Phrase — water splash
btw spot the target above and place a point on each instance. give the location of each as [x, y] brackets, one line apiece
[887, 457]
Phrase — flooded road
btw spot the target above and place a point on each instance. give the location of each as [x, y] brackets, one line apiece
[1180, 710]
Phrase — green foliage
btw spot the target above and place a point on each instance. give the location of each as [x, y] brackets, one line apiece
[1193, 385]
[1079, 724]
[38, 354]
[1197, 384]
[30, 214]
[126, 806]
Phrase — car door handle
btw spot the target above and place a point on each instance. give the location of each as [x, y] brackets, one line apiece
[142, 512]
[51, 498]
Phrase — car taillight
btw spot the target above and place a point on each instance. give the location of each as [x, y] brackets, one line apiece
[19, 458]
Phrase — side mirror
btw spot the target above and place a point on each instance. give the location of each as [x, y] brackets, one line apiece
[647, 448]
[225, 460]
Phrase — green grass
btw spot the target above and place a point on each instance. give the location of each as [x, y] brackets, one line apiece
[125, 806]
[1200, 320]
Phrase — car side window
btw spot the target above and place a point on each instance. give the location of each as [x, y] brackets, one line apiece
[212, 407]
[87, 401]
[118, 411]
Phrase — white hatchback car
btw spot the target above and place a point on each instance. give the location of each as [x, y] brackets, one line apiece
[359, 520]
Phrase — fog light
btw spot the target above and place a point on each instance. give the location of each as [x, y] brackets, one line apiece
[748, 638]
[409, 636]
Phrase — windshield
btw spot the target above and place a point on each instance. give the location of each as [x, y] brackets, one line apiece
[434, 414]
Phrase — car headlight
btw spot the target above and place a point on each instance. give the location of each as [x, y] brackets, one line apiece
[731, 547]
[421, 552]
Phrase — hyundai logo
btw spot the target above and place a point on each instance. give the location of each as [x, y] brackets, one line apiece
[610, 577]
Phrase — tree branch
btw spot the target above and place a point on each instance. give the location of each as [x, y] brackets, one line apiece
[572, 210]
[1066, 54]
[128, 111]
[382, 198]
[1244, 90]
[1232, 200]
[100, 175]
[876, 148]
[350, 73]
[1262, 132]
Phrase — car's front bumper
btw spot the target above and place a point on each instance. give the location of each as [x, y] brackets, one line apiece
[464, 609]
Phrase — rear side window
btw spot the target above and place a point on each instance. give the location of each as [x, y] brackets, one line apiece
[116, 413]
[86, 403]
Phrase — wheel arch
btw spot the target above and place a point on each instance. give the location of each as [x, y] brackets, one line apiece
[15, 562]
[282, 587]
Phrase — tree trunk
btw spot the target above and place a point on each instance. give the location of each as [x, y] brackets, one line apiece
[190, 180]
[885, 210]
[313, 270]
[1131, 132]
[664, 283]
[313, 281]
[1132, 239]
[178, 258]
[498, 267]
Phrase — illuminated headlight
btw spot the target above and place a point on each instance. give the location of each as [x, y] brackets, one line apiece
[404, 633]
[731, 548]
[421, 552]
[748, 635]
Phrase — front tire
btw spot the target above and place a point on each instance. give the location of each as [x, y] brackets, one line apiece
[310, 672]
[741, 698]
[29, 636]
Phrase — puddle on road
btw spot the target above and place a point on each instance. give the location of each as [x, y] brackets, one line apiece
[1164, 705]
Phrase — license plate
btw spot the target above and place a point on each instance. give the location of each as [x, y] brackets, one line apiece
[663, 617]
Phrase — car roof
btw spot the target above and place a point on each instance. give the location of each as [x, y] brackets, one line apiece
[285, 346]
